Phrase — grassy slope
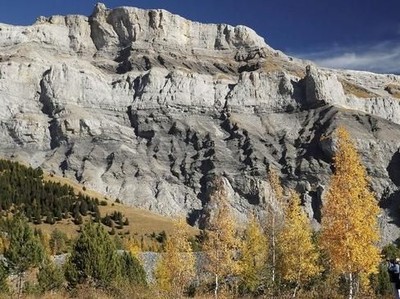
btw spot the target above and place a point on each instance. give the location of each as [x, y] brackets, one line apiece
[141, 222]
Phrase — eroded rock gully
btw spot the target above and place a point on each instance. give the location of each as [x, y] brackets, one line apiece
[147, 107]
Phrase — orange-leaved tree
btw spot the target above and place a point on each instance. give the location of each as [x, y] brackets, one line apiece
[299, 256]
[349, 231]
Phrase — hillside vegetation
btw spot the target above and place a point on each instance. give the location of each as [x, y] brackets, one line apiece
[51, 202]
[274, 255]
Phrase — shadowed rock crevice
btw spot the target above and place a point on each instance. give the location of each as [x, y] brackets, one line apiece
[316, 204]
[317, 123]
[393, 169]
[141, 125]
[50, 109]
[64, 165]
[48, 106]
[124, 65]
[154, 106]
[56, 134]
[391, 203]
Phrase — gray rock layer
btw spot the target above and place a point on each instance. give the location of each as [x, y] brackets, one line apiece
[148, 107]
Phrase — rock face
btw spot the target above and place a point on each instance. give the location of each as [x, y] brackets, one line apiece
[148, 107]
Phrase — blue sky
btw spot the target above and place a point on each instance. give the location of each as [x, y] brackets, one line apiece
[356, 34]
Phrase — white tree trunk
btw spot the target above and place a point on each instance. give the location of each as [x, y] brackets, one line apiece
[351, 291]
[20, 276]
[295, 290]
[273, 250]
[216, 286]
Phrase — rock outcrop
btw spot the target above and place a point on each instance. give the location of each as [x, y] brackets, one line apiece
[147, 106]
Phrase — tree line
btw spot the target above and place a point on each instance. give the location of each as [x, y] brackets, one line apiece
[24, 190]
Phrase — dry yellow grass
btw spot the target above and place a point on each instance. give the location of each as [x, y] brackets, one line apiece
[129, 292]
[77, 187]
[393, 89]
[222, 77]
[273, 66]
[298, 72]
[358, 91]
[270, 66]
[141, 222]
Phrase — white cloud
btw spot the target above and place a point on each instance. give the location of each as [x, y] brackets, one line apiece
[382, 58]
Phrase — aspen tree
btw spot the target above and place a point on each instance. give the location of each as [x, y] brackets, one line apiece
[221, 245]
[349, 216]
[254, 255]
[299, 256]
[132, 245]
[176, 269]
[275, 218]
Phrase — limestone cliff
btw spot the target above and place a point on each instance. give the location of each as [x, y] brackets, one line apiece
[146, 106]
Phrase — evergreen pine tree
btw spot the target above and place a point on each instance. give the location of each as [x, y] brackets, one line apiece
[50, 218]
[37, 216]
[78, 220]
[83, 208]
[97, 216]
[3, 278]
[107, 221]
[50, 277]
[93, 258]
[131, 270]
[57, 213]
[24, 251]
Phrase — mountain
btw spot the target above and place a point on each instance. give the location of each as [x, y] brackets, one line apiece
[147, 107]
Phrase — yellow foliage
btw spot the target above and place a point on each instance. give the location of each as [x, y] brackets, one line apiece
[221, 245]
[176, 267]
[44, 239]
[4, 243]
[274, 208]
[133, 246]
[350, 211]
[276, 185]
[275, 218]
[254, 254]
[299, 255]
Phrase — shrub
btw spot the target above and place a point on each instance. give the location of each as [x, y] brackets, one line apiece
[107, 221]
[132, 270]
[50, 277]
[58, 242]
[78, 219]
